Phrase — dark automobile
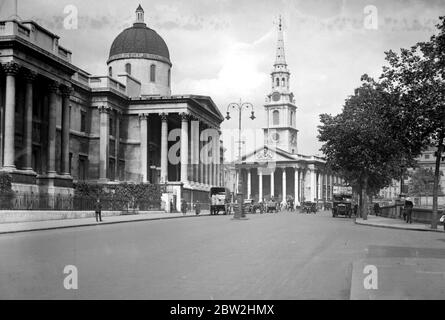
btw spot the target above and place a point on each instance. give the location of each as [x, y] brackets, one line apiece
[309, 207]
[251, 207]
[342, 205]
[272, 206]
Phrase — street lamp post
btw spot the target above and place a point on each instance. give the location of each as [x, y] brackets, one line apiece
[239, 213]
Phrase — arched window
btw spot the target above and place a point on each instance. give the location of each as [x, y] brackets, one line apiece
[276, 118]
[278, 82]
[283, 81]
[128, 68]
[110, 71]
[153, 73]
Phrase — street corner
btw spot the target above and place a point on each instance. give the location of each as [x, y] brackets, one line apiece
[398, 278]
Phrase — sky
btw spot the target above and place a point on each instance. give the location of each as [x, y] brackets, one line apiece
[226, 48]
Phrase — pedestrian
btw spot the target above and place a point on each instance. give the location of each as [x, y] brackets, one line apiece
[98, 210]
[197, 207]
[184, 207]
[376, 209]
[408, 210]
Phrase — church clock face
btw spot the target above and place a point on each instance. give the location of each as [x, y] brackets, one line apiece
[275, 137]
[276, 96]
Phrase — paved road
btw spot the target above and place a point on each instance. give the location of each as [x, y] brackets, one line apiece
[270, 256]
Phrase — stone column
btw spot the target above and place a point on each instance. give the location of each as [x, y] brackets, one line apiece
[104, 112]
[65, 158]
[184, 147]
[284, 184]
[217, 160]
[144, 146]
[52, 116]
[296, 187]
[164, 148]
[260, 185]
[201, 157]
[194, 146]
[11, 69]
[249, 181]
[320, 185]
[313, 183]
[29, 78]
[272, 184]
[117, 135]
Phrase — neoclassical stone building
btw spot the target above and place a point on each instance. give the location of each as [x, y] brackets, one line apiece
[60, 124]
[277, 170]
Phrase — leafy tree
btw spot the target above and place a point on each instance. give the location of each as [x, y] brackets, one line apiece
[417, 76]
[421, 182]
[361, 143]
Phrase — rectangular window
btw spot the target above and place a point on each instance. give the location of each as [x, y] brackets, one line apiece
[121, 170]
[111, 169]
[427, 156]
[70, 162]
[83, 121]
[111, 126]
[83, 168]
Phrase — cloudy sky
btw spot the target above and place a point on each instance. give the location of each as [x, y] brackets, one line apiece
[226, 48]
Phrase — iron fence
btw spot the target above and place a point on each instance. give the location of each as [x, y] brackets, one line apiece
[17, 201]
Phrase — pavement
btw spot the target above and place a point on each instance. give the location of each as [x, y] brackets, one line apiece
[83, 222]
[396, 224]
[284, 255]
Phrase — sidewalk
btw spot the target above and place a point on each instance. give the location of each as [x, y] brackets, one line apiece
[396, 224]
[82, 222]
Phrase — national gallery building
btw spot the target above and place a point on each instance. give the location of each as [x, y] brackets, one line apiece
[60, 124]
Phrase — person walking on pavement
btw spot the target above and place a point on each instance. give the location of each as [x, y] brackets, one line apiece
[197, 207]
[408, 210]
[184, 207]
[98, 210]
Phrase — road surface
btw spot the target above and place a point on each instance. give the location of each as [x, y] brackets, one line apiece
[269, 256]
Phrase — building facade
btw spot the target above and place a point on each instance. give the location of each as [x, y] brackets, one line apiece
[60, 124]
[277, 170]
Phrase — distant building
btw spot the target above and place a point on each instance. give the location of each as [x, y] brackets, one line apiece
[60, 124]
[277, 170]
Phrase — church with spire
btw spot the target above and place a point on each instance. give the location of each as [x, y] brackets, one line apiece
[277, 170]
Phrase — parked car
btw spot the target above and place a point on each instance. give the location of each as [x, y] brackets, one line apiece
[309, 207]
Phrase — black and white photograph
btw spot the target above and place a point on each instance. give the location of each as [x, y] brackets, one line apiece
[222, 155]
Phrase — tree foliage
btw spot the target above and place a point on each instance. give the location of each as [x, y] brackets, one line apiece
[362, 144]
[417, 76]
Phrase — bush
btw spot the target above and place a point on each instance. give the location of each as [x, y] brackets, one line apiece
[6, 193]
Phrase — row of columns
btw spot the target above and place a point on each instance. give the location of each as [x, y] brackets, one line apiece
[11, 70]
[318, 179]
[197, 170]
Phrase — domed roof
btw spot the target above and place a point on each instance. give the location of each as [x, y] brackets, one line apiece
[139, 39]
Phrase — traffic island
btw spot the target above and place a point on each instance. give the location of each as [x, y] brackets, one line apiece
[382, 222]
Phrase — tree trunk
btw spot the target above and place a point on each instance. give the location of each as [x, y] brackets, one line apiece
[365, 199]
[436, 181]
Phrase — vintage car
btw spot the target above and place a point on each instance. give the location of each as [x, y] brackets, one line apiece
[342, 205]
[309, 207]
[272, 206]
[251, 207]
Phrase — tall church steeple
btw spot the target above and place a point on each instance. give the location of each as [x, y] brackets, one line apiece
[281, 57]
[280, 105]
[280, 73]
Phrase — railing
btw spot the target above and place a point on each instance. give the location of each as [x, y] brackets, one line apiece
[73, 203]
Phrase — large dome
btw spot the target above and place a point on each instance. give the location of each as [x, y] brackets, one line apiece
[139, 39]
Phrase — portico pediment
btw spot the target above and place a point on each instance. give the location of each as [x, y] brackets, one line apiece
[267, 154]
